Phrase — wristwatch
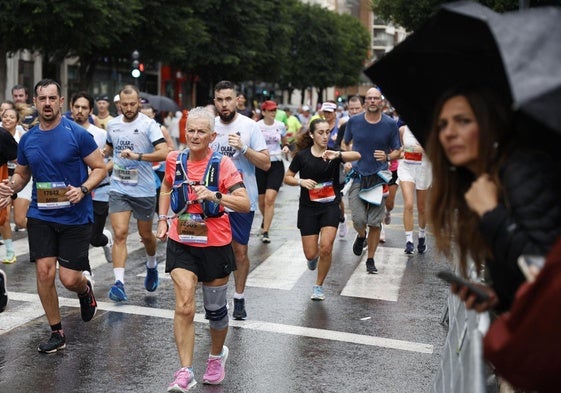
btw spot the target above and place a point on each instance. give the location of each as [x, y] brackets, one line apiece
[84, 189]
[218, 197]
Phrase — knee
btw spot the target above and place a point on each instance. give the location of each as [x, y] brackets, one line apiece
[215, 306]
[325, 250]
[185, 308]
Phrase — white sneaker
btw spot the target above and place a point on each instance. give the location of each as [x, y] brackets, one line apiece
[382, 235]
[107, 249]
[343, 229]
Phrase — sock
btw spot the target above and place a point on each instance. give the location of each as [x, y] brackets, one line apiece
[409, 236]
[151, 261]
[57, 328]
[421, 232]
[190, 369]
[119, 273]
[238, 295]
[9, 246]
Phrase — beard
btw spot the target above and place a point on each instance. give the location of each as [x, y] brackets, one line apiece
[227, 118]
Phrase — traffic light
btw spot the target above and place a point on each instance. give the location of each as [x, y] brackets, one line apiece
[136, 71]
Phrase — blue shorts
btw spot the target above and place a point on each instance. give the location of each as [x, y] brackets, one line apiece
[241, 226]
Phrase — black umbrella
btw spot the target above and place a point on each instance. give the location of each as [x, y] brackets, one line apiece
[518, 54]
[8, 146]
[160, 103]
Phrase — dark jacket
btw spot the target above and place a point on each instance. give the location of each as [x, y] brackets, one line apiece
[527, 221]
[8, 146]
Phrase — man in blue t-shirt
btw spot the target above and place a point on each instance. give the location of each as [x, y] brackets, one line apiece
[66, 165]
[376, 137]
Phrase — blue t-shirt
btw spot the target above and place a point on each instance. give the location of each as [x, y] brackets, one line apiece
[56, 160]
[367, 137]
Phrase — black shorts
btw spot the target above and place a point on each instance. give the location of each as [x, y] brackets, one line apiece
[69, 243]
[271, 179]
[312, 218]
[393, 180]
[208, 263]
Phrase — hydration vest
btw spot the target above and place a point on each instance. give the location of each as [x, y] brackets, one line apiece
[180, 189]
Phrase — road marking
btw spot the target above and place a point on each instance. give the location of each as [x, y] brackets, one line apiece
[262, 326]
[391, 263]
[282, 269]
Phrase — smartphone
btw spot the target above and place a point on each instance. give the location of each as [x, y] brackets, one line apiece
[525, 261]
[451, 278]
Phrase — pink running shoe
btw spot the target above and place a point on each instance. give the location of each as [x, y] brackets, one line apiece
[215, 369]
[184, 380]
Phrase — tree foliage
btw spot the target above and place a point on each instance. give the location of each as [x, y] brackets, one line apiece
[282, 41]
[412, 14]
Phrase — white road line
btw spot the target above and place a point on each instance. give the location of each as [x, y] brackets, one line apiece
[282, 269]
[391, 263]
[262, 326]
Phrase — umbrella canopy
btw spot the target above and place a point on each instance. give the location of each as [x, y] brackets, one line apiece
[467, 43]
[160, 103]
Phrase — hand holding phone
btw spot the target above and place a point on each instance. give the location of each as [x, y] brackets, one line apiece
[449, 277]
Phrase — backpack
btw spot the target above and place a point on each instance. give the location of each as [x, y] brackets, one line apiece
[180, 189]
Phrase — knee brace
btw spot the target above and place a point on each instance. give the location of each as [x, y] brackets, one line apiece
[214, 299]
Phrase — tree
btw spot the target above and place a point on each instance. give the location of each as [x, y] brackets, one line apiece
[412, 14]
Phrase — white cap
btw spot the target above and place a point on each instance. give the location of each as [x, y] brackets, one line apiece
[328, 107]
[116, 98]
[305, 108]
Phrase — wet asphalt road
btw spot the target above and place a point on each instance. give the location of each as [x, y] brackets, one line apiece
[347, 343]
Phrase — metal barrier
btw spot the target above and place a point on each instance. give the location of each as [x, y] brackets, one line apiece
[462, 368]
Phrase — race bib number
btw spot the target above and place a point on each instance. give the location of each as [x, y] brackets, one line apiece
[412, 157]
[322, 192]
[125, 175]
[191, 228]
[51, 195]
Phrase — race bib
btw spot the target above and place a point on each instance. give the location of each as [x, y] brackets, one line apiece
[51, 195]
[322, 192]
[411, 157]
[125, 175]
[191, 228]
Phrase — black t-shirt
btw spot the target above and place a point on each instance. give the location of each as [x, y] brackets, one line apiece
[318, 169]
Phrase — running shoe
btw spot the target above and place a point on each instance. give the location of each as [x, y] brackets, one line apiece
[3, 291]
[371, 266]
[409, 247]
[317, 293]
[343, 230]
[10, 258]
[88, 304]
[215, 369]
[312, 264]
[108, 248]
[422, 246]
[56, 341]
[151, 281]
[239, 309]
[382, 234]
[184, 380]
[358, 245]
[265, 238]
[117, 292]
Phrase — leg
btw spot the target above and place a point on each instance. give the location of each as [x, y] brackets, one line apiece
[21, 205]
[408, 189]
[120, 224]
[46, 273]
[6, 232]
[310, 246]
[270, 197]
[242, 264]
[373, 240]
[261, 204]
[184, 284]
[422, 207]
[147, 236]
[326, 239]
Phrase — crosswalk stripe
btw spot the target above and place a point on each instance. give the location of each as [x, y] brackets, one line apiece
[282, 269]
[391, 263]
[322, 334]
